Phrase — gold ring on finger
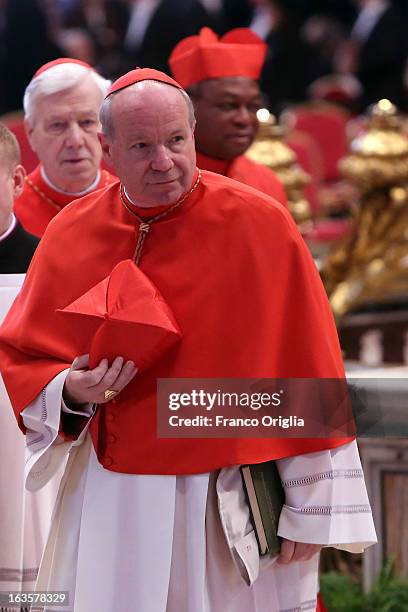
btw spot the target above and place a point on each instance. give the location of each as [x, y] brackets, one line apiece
[110, 393]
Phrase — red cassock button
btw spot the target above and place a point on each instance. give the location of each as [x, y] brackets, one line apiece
[110, 417]
[112, 438]
[108, 461]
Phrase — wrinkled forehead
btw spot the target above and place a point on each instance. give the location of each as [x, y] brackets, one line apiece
[146, 103]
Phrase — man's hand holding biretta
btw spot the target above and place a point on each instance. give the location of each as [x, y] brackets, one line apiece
[85, 386]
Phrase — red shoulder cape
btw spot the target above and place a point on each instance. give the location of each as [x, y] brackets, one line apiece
[39, 203]
[246, 171]
[242, 286]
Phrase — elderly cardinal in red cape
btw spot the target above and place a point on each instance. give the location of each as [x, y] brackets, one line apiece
[61, 106]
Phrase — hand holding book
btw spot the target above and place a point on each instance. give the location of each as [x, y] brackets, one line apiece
[266, 496]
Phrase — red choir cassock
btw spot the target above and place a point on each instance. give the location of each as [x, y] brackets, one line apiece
[243, 289]
[240, 52]
[246, 171]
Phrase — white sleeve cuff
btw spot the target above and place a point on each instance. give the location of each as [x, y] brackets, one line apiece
[45, 449]
[326, 500]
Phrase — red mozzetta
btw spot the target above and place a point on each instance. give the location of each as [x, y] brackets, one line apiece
[246, 171]
[243, 288]
[39, 202]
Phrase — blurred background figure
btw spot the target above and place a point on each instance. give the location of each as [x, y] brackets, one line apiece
[376, 52]
[27, 41]
[79, 44]
[155, 27]
[323, 33]
[289, 65]
[306, 41]
[237, 13]
[93, 31]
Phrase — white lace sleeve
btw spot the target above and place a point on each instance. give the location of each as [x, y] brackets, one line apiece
[326, 499]
[45, 449]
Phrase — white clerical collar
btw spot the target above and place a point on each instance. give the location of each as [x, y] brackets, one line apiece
[73, 193]
[132, 201]
[10, 228]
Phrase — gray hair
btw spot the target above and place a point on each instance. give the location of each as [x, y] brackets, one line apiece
[56, 79]
[105, 116]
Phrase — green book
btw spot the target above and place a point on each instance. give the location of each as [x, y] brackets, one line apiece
[265, 497]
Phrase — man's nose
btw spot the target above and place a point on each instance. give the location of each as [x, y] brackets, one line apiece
[162, 160]
[242, 116]
[74, 135]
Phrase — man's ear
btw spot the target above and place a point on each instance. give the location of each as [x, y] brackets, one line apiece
[106, 149]
[19, 180]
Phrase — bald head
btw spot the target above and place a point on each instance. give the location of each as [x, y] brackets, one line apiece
[136, 95]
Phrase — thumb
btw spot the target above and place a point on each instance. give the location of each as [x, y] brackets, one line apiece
[287, 550]
[80, 363]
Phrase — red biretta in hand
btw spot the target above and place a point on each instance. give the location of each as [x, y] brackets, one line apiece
[124, 315]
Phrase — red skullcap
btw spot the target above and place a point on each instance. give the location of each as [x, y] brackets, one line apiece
[57, 62]
[141, 74]
[239, 52]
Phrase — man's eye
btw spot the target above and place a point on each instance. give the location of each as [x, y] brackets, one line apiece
[178, 138]
[56, 125]
[139, 145]
[227, 106]
[88, 123]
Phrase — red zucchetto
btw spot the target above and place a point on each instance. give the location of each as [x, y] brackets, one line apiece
[239, 52]
[141, 74]
[58, 62]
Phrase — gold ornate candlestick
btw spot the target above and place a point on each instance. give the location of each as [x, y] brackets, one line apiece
[371, 264]
[270, 150]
